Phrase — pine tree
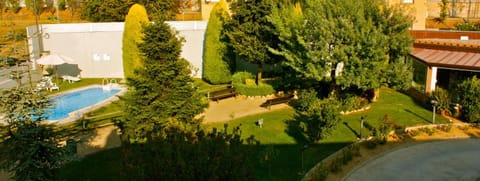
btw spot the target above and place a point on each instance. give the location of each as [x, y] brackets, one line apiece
[30, 149]
[161, 92]
[132, 36]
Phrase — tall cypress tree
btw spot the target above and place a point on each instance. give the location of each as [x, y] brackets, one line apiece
[132, 35]
[216, 65]
[162, 93]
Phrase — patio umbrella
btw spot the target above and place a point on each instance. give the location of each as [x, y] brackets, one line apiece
[54, 59]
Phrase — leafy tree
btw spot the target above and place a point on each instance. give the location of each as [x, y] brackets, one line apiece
[161, 94]
[13, 5]
[250, 33]
[216, 65]
[469, 97]
[132, 36]
[346, 42]
[319, 117]
[398, 75]
[443, 4]
[36, 8]
[198, 155]
[30, 149]
[105, 10]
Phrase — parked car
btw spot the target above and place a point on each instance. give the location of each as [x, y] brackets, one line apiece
[10, 61]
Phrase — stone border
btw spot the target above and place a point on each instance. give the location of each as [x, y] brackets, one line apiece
[78, 114]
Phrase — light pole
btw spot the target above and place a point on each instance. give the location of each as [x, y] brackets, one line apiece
[434, 104]
[305, 146]
[361, 126]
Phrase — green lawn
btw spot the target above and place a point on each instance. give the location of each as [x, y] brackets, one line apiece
[283, 138]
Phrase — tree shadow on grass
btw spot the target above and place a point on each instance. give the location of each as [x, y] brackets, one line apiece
[296, 131]
[417, 115]
[351, 129]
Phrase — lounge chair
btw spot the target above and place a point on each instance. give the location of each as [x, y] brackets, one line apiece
[70, 79]
[53, 86]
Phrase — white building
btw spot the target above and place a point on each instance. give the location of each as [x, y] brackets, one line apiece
[97, 47]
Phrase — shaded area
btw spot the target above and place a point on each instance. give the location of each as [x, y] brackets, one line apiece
[284, 164]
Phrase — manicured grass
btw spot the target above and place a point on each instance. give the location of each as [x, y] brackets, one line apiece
[285, 141]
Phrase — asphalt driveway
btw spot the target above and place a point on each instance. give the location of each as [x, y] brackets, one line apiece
[439, 160]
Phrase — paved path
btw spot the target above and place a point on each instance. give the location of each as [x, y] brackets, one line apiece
[439, 160]
[6, 82]
[226, 109]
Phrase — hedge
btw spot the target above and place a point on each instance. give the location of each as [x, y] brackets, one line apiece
[239, 80]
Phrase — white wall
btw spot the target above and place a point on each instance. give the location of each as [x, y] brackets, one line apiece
[97, 47]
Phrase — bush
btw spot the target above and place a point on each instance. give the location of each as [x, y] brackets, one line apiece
[441, 96]
[320, 174]
[466, 26]
[413, 133]
[352, 102]
[240, 79]
[469, 98]
[445, 127]
[216, 65]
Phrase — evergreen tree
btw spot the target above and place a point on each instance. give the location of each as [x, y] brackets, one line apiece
[105, 10]
[250, 33]
[216, 66]
[132, 36]
[215, 155]
[161, 92]
[30, 149]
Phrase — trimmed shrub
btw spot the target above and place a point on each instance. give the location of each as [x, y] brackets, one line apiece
[132, 36]
[240, 80]
[216, 66]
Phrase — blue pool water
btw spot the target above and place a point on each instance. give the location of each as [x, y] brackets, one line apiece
[67, 103]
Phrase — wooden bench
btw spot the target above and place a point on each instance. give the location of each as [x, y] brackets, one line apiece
[221, 94]
[278, 100]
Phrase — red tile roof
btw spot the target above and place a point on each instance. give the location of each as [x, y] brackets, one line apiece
[448, 58]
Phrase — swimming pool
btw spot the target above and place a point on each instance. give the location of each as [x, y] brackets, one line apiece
[71, 102]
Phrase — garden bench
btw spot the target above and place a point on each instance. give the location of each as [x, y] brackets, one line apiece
[224, 93]
[278, 100]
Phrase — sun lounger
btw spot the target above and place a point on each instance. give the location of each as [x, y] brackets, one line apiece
[70, 79]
